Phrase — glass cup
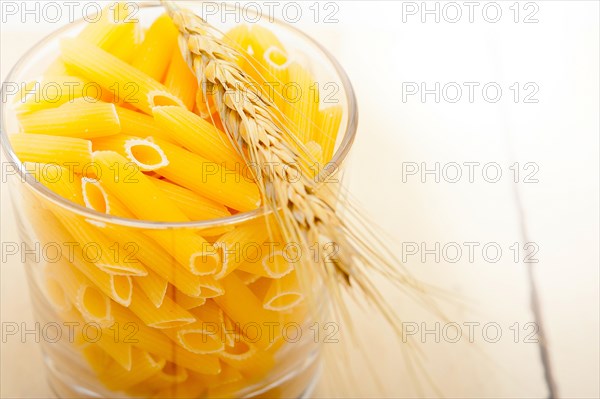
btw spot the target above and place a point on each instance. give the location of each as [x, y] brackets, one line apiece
[110, 333]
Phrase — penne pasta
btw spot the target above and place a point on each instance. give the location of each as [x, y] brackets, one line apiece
[97, 65]
[180, 80]
[193, 205]
[247, 278]
[91, 303]
[145, 154]
[243, 244]
[242, 306]
[170, 376]
[280, 294]
[275, 264]
[153, 55]
[68, 152]
[96, 248]
[55, 293]
[94, 196]
[205, 335]
[208, 179]
[167, 315]
[154, 257]
[157, 343]
[185, 301]
[143, 366]
[123, 179]
[302, 102]
[120, 352]
[154, 287]
[197, 135]
[81, 119]
[52, 91]
[329, 124]
[140, 125]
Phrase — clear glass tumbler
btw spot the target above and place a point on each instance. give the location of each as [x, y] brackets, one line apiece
[101, 340]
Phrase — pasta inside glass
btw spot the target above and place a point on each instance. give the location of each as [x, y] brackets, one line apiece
[163, 273]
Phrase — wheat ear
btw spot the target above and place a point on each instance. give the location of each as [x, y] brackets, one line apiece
[304, 210]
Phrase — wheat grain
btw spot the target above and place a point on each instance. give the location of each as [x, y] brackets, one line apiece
[303, 209]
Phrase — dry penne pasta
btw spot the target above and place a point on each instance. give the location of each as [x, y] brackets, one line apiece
[186, 306]
[302, 102]
[193, 205]
[145, 154]
[157, 343]
[180, 80]
[140, 125]
[329, 124]
[52, 91]
[154, 287]
[83, 119]
[275, 264]
[208, 178]
[167, 315]
[93, 305]
[281, 294]
[242, 306]
[154, 53]
[241, 245]
[68, 152]
[143, 366]
[197, 135]
[97, 65]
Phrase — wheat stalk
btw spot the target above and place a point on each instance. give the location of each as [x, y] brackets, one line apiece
[305, 211]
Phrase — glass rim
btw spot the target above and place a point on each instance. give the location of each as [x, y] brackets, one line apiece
[339, 155]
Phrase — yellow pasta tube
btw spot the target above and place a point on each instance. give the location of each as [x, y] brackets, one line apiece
[55, 293]
[197, 135]
[120, 352]
[205, 335]
[185, 301]
[143, 366]
[170, 375]
[243, 244]
[208, 179]
[180, 80]
[51, 92]
[118, 288]
[159, 260]
[275, 264]
[248, 358]
[123, 179]
[281, 294]
[247, 278]
[155, 52]
[93, 305]
[108, 29]
[110, 257]
[157, 343]
[329, 123]
[68, 152]
[58, 179]
[81, 119]
[140, 125]
[193, 205]
[135, 87]
[154, 287]
[316, 153]
[167, 315]
[145, 154]
[245, 308]
[302, 106]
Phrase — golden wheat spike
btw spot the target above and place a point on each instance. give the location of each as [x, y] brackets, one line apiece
[303, 209]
